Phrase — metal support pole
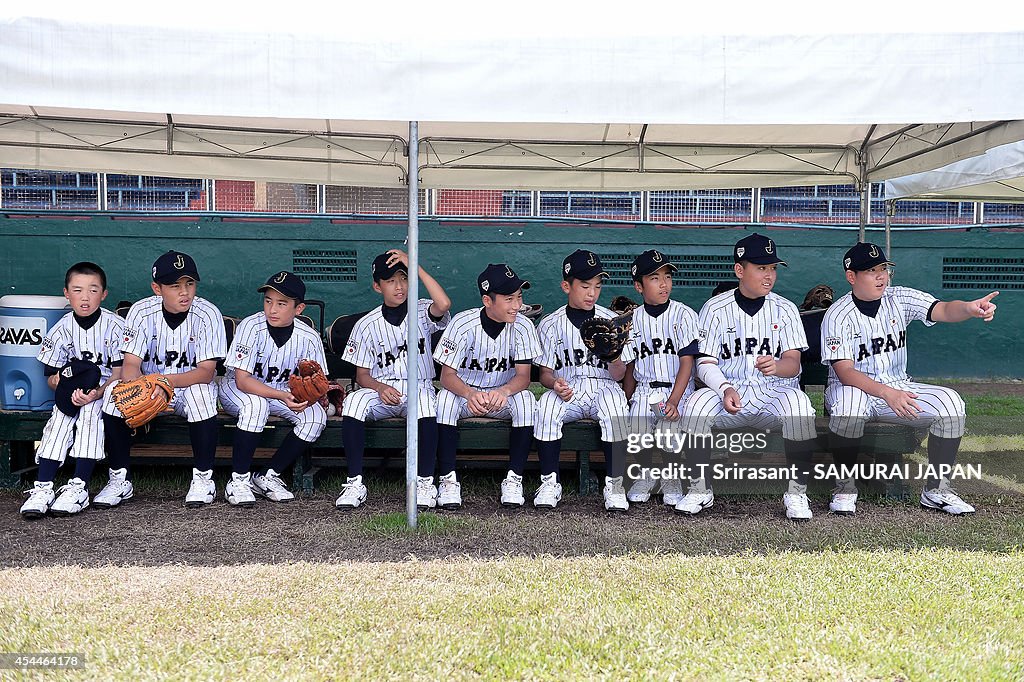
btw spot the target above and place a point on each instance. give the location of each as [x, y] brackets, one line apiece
[890, 211]
[413, 328]
[865, 197]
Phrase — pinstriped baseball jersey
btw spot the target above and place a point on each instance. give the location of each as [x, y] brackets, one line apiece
[657, 341]
[877, 345]
[562, 348]
[483, 361]
[253, 350]
[736, 338]
[99, 344]
[381, 347]
[174, 351]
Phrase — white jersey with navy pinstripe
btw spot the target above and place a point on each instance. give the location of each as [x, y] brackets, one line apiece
[736, 339]
[876, 345]
[253, 350]
[562, 348]
[656, 341]
[379, 346]
[481, 361]
[100, 344]
[164, 350]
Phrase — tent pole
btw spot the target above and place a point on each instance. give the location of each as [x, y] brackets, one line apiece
[413, 329]
[890, 210]
[865, 198]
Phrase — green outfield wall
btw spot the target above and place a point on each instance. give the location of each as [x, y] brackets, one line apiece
[235, 255]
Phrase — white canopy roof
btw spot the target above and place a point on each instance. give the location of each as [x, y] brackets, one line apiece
[996, 175]
[533, 95]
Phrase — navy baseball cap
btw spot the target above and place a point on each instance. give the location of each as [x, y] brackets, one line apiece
[756, 249]
[499, 278]
[864, 256]
[172, 266]
[648, 262]
[582, 264]
[287, 284]
[381, 270]
[77, 373]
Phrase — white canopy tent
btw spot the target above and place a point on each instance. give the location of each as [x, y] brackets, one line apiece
[997, 175]
[532, 95]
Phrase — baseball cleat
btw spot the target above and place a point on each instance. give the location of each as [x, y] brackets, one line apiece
[641, 490]
[796, 503]
[549, 494]
[449, 492]
[202, 489]
[117, 490]
[353, 494]
[512, 490]
[671, 491]
[944, 498]
[40, 497]
[844, 498]
[270, 486]
[697, 498]
[426, 493]
[615, 495]
[73, 498]
[238, 491]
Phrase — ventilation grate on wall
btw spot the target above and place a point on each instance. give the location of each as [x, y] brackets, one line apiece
[983, 273]
[318, 265]
[693, 270]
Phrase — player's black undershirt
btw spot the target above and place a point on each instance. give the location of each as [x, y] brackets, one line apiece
[577, 316]
[280, 335]
[656, 310]
[491, 327]
[691, 349]
[395, 316]
[751, 306]
[869, 308]
[90, 320]
[174, 320]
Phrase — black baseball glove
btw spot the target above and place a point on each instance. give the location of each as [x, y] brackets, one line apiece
[606, 338]
[820, 296]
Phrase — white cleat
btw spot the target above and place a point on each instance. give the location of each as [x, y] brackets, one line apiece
[697, 498]
[549, 494]
[944, 498]
[353, 494]
[641, 490]
[797, 505]
[671, 491]
[844, 498]
[426, 493]
[117, 490]
[270, 486]
[72, 498]
[512, 490]
[40, 498]
[615, 495]
[449, 492]
[202, 489]
[238, 491]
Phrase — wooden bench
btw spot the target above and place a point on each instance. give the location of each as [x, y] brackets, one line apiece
[482, 443]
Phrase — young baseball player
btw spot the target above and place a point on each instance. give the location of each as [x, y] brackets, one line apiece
[264, 354]
[81, 353]
[378, 347]
[485, 355]
[177, 334]
[750, 345]
[581, 385]
[863, 341]
[664, 343]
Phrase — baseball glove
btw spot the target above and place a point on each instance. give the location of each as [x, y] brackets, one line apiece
[606, 338]
[622, 304]
[333, 399]
[310, 384]
[820, 296]
[135, 399]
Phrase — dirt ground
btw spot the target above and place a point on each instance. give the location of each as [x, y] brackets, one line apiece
[156, 529]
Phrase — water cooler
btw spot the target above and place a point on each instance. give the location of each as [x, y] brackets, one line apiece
[24, 321]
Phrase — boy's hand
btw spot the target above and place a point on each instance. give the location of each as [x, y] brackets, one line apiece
[293, 403]
[80, 398]
[390, 395]
[562, 389]
[671, 411]
[398, 256]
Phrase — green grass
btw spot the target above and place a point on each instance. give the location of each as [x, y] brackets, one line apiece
[927, 614]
